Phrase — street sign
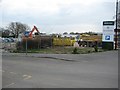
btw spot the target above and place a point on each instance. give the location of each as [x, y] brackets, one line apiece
[108, 35]
[108, 23]
[108, 31]
[26, 33]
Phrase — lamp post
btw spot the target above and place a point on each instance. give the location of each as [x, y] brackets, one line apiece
[116, 28]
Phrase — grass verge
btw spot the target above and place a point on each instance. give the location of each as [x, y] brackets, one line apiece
[63, 50]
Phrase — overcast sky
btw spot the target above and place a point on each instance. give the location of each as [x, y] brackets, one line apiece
[58, 16]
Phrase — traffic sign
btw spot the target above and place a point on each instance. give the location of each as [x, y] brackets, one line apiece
[108, 31]
[107, 37]
[26, 33]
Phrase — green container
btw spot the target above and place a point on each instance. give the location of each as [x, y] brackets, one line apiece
[108, 45]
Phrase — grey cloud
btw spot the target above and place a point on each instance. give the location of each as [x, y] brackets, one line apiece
[77, 14]
[66, 16]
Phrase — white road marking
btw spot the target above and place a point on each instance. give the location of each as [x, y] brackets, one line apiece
[27, 77]
[13, 73]
[9, 85]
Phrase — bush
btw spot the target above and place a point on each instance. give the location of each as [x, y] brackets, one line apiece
[96, 48]
[75, 51]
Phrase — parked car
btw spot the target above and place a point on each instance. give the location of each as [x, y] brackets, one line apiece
[6, 40]
[11, 39]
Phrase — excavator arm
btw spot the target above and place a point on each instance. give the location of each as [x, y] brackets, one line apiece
[34, 28]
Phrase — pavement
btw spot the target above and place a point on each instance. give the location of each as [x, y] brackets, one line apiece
[96, 70]
[68, 57]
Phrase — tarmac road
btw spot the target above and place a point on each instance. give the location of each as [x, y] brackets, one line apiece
[97, 70]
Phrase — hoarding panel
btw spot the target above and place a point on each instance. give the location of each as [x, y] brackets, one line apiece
[108, 31]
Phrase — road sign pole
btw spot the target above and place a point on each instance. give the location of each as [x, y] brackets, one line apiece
[26, 35]
[26, 45]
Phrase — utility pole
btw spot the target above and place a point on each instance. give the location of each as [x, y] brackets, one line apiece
[116, 29]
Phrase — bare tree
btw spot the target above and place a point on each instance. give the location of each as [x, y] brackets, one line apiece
[17, 28]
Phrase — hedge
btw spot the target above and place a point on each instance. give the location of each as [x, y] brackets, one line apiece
[35, 43]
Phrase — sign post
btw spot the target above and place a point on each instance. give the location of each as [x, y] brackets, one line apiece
[26, 35]
[26, 45]
[108, 35]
